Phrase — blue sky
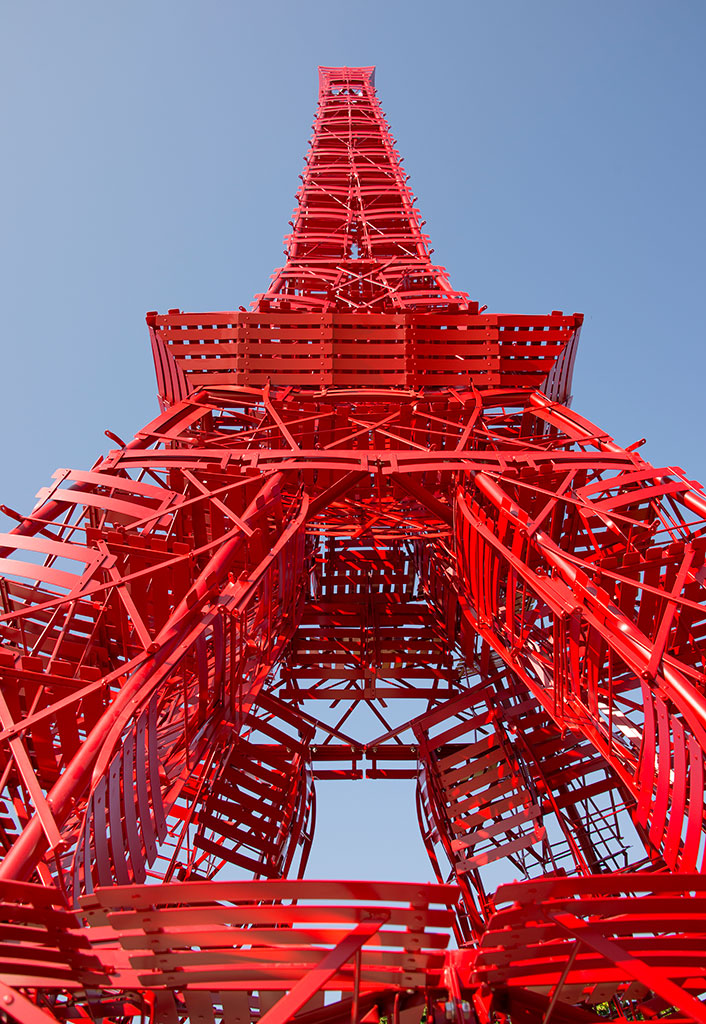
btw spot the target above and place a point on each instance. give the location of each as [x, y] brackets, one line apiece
[151, 154]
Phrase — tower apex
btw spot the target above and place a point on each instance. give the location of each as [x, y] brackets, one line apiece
[331, 77]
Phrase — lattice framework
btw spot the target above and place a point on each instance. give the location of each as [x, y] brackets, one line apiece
[368, 493]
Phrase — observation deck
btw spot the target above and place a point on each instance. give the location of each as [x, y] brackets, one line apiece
[409, 350]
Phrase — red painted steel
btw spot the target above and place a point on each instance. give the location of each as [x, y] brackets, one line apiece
[365, 491]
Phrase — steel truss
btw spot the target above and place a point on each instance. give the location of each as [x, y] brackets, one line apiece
[366, 492]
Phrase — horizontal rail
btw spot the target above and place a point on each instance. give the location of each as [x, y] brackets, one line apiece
[412, 350]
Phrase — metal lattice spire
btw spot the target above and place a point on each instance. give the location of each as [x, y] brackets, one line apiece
[357, 241]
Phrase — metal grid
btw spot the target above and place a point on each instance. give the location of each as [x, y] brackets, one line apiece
[367, 494]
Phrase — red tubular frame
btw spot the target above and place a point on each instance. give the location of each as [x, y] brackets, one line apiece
[365, 490]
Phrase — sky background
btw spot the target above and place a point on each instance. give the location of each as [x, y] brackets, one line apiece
[151, 154]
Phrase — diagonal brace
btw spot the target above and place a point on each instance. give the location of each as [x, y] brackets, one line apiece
[649, 974]
[285, 1008]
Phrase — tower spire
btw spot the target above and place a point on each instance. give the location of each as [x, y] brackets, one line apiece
[357, 241]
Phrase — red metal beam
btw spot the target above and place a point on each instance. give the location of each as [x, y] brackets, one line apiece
[365, 491]
[285, 1009]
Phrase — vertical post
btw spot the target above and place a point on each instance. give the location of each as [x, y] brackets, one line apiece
[560, 982]
[610, 702]
[356, 988]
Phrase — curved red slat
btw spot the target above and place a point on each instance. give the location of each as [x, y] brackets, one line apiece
[365, 492]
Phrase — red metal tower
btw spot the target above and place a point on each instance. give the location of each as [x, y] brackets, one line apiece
[365, 492]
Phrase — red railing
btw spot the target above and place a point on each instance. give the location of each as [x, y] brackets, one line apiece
[412, 350]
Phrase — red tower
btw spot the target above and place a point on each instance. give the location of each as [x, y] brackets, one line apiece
[365, 494]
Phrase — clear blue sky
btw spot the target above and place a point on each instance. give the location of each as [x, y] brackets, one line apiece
[151, 153]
